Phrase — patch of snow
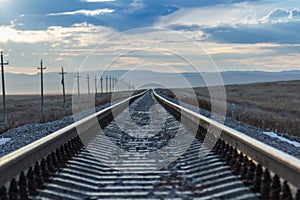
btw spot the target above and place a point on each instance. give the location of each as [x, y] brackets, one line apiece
[274, 135]
[4, 140]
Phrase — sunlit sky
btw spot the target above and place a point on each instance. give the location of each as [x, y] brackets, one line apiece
[237, 34]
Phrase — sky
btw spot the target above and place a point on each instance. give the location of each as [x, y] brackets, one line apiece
[164, 36]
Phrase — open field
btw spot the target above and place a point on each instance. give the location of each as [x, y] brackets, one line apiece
[273, 106]
[24, 109]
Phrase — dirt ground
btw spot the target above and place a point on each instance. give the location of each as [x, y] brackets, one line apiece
[24, 109]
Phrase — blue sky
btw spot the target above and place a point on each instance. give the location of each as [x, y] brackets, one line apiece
[237, 34]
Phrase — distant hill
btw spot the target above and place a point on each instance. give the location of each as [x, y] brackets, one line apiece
[30, 84]
[243, 77]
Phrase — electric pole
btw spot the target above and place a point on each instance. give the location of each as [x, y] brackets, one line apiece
[42, 89]
[113, 82]
[106, 85]
[63, 85]
[3, 91]
[129, 84]
[78, 89]
[101, 81]
[95, 86]
[88, 81]
[117, 83]
[110, 84]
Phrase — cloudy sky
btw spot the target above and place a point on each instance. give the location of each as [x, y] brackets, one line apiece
[162, 35]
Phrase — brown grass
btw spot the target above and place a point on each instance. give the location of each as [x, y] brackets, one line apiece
[274, 106]
[25, 109]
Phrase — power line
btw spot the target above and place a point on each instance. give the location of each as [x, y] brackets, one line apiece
[42, 89]
[3, 91]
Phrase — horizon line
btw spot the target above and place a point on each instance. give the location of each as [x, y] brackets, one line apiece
[37, 73]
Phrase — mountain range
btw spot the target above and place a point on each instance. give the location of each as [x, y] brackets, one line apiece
[30, 84]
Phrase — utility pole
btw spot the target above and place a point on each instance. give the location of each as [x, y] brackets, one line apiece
[88, 81]
[129, 84]
[117, 82]
[42, 89]
[3, 91]
[113, 83]
[110, 84]
[78, 89]
[63, 85]
[106, 85]
[95, 86]
[101, 81]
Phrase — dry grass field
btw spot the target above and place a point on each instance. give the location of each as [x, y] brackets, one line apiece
[273, 106]
[24, 109]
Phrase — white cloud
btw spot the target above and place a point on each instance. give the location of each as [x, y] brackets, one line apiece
[249, 49]
[231, 14]
[135, 5]
[212, 16]
[75, 42]
[269, 63]
[84, 12]
[295, 13]
[8, 33]
[82, 34]
[277, 15]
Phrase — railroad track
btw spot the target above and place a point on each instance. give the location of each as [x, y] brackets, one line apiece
[151, 149]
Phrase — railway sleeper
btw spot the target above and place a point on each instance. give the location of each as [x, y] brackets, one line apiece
[258, 178]
[25, 186]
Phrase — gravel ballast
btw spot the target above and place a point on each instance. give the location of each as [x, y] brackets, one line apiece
[252, 131]
[18, 137]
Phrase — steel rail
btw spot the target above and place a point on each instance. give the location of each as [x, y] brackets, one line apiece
[21, 159]
[284, 165]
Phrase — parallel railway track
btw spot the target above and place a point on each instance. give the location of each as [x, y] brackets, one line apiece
[149, 159]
